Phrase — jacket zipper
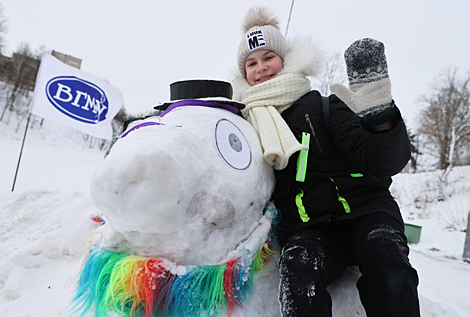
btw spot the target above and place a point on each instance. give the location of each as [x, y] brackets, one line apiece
[307, 118]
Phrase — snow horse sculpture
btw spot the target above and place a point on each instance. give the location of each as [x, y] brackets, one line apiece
[184, 196]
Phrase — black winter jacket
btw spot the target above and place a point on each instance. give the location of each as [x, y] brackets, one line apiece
[349, 167]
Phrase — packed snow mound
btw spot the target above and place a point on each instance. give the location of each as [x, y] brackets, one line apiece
[417, 194]
[43, 241]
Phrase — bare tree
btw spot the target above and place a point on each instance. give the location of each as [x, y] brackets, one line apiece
[334, 71]
[445, 121]
[412, 165]
[447, 108]
[3, 29]
[40, 52]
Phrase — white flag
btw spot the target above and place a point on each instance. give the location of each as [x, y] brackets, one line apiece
[71, 97]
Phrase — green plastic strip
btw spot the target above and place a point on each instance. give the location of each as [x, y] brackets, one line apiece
[302, 161]
[341, 199]
[300, 206]
[357, 175]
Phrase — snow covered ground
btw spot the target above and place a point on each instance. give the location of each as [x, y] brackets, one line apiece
[45, 222]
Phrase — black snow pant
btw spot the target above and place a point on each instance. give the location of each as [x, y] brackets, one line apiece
[312, 259]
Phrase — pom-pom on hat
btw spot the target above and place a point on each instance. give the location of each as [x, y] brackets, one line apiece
[260, 32]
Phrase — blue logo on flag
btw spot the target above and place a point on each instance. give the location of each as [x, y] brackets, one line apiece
[78, 99]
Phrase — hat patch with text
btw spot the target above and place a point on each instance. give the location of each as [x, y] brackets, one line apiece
[255, 39]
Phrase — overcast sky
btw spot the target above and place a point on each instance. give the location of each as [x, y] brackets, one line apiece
[141, 47]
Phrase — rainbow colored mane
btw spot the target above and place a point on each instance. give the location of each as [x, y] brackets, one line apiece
[140, 286]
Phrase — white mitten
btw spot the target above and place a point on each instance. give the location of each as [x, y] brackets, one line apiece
[370, 92]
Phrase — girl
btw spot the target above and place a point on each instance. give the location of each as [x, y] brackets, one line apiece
[333, 170]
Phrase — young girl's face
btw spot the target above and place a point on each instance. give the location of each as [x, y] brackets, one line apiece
[262, 65]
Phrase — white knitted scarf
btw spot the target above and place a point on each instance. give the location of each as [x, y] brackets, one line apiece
[264, 104]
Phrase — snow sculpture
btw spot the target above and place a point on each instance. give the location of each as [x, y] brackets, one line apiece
[183, 196]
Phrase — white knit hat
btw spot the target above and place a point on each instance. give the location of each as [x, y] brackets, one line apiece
[260, 31]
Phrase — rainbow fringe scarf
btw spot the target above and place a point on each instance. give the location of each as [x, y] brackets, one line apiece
[133, 285]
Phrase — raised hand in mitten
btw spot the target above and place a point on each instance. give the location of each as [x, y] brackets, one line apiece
[370, 93]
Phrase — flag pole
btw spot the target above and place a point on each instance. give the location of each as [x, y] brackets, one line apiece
[21, 152]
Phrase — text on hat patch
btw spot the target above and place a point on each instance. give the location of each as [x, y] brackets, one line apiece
[255, 39]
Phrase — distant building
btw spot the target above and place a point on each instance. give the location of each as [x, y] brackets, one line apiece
[19, 70]
[67, 59]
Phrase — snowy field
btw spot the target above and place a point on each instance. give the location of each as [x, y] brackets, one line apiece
[45, 222]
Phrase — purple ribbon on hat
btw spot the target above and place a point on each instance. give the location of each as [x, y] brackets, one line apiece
[138, 126]
[196, 102]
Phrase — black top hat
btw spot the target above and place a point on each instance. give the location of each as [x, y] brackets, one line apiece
[209, 90]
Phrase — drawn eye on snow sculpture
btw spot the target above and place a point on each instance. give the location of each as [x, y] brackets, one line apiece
[232, 145]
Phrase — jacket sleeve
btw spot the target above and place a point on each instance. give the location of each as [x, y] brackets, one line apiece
[381, 154]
